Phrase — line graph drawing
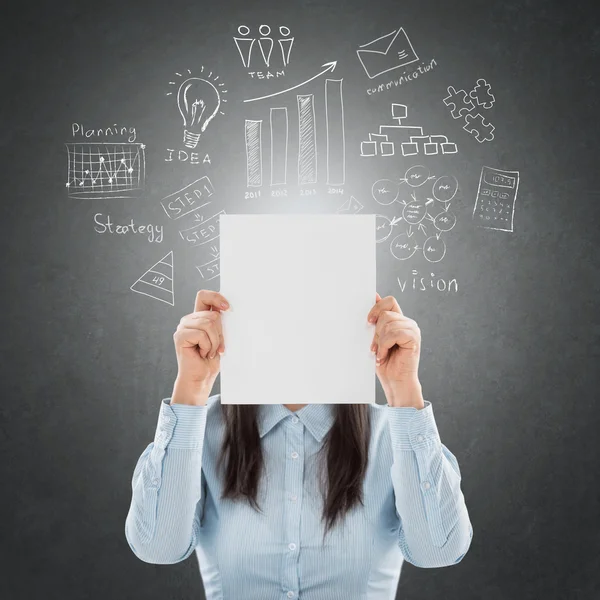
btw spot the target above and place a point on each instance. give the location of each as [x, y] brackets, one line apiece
[103, 170]
[329, 67]
[307, 140]
[253, 132]
[278, 119]
[157, 281]
[336, 135]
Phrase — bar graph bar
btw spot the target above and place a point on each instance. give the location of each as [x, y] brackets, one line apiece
[336, 143]
[307, 144]
[279, 145]
[253, 131]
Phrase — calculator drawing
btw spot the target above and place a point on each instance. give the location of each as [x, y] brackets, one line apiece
[496, 196]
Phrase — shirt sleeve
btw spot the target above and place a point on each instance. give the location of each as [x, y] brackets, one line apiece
[435, 529]
[163, 521]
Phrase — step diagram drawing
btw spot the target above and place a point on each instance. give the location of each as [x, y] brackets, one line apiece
[386, 53]
[211, 269]
[467, 106]
[103, 170]
[422, 223]
[263, 54]
[329, 68]
[407, 139]
[199, 100]
[307, 158]
[496, 197]
[191, 198]
[157, 281]
[202, 231]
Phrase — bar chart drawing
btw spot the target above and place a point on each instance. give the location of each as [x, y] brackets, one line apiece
[332, 135]
[253, 130]
[279, 145]
[336, 137]
[307, 140]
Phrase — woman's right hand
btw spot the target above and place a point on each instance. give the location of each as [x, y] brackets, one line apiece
[199, 342]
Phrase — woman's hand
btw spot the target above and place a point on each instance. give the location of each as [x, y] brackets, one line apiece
[397, 343]
[199, 343]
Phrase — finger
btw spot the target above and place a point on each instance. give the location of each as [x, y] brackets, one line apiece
[396, 334]
[387, 316]
[186, 337]
[388, 303]
[208, 321]
[206, 299]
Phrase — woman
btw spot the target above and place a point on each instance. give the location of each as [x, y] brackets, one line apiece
[310, 501]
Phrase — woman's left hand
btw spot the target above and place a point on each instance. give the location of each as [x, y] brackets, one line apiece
[397, 343]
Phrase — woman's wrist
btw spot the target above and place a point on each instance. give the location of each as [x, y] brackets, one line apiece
[191, 392]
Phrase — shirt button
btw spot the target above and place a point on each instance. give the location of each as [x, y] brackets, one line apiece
[294, 455]
[155, 480]
[420, 438]
[290, 594]
[293, 497]
[426, 485]
[167, 419]
[292, 546]
[295, 419]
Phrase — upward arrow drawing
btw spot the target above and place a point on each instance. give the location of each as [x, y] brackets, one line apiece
[330, 66]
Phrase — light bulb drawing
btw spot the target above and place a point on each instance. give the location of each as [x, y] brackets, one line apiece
[199, 100]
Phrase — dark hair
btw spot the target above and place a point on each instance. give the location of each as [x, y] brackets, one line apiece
[346, 446]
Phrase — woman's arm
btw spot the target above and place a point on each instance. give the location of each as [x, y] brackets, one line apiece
[435, 529]
[163, 521]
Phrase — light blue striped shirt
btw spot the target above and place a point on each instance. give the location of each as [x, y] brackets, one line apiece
[414, 507]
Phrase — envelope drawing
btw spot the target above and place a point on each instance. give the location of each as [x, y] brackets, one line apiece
[390, 51]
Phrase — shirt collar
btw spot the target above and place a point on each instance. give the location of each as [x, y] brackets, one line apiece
[317, 418]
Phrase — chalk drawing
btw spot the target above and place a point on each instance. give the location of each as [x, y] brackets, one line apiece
[102, 170]
[386, 53]
[188, 199]
[278, 119]
[199, 101]
[329, 67]
[253, 136]
[351, 206]
[409, 139]
[496, 197]
[157, 281]
[336, 135]
[246, 43]
[466, 106]
[203, 231]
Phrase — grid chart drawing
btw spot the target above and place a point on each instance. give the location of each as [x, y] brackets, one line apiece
[106, 170]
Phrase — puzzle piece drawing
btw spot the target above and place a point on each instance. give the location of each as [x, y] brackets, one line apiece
[459, 101]
[479, 127]
[482, 95]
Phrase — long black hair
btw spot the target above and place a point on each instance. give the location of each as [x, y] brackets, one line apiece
[344, 453]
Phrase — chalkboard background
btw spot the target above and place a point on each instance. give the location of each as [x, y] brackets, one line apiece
[509, 318]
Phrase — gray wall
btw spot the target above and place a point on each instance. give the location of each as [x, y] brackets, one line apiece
[508, 361]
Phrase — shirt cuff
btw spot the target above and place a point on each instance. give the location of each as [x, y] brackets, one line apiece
[412, 428]
[180, 426]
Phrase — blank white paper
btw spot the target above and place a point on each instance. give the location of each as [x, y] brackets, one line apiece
[300, 288]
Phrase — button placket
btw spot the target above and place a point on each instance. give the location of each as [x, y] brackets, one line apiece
[293, 478]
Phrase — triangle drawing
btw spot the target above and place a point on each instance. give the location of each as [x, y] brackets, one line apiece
[157, 281]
